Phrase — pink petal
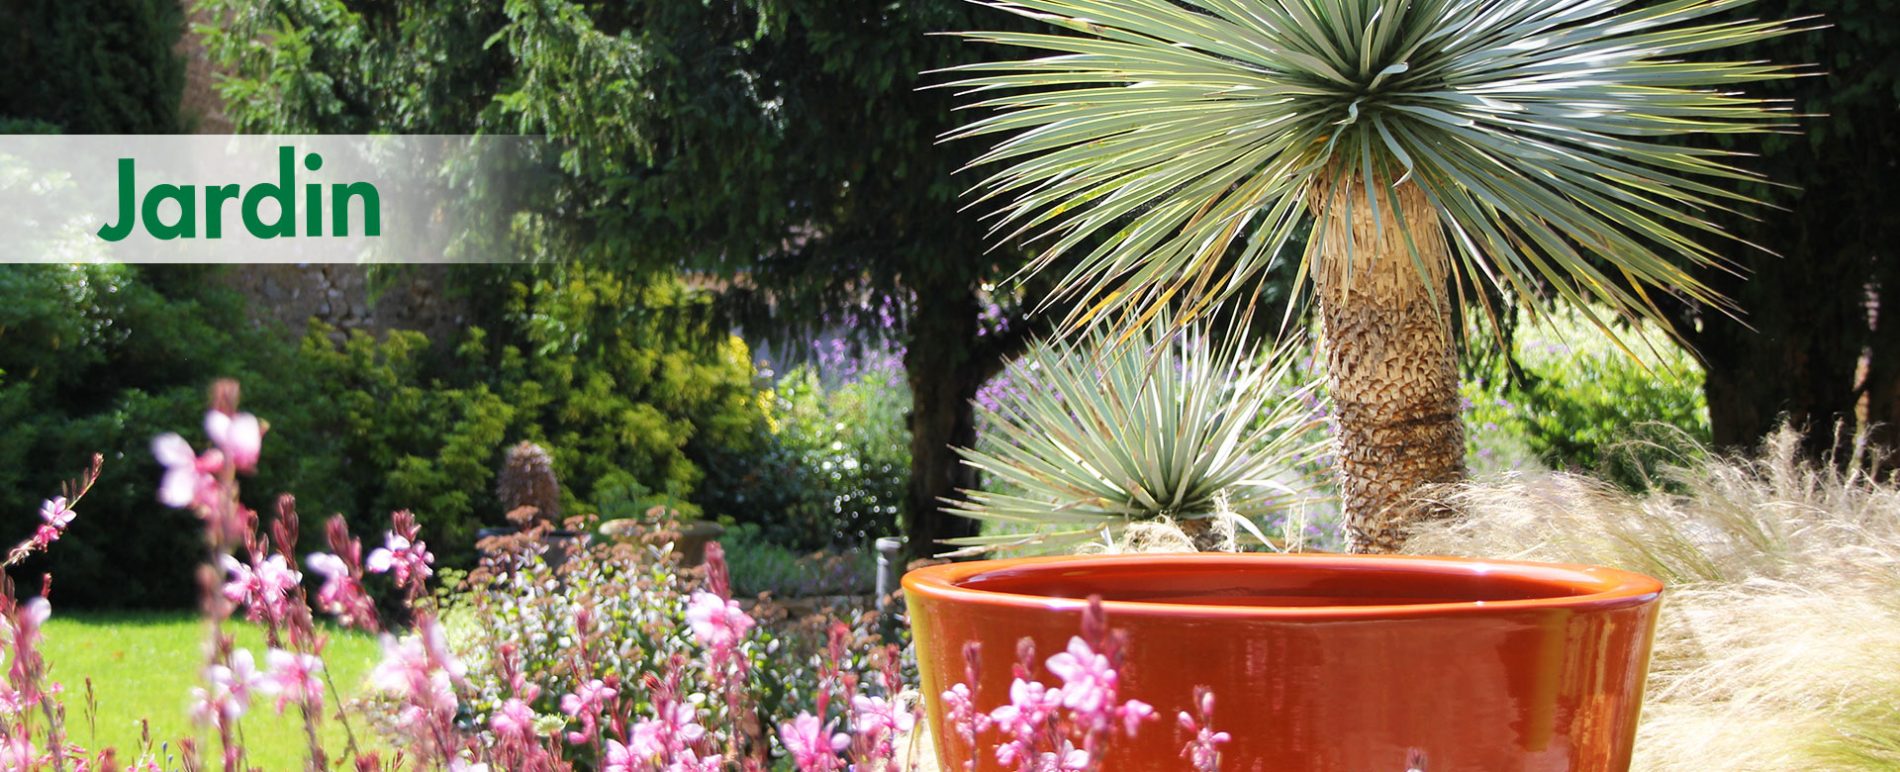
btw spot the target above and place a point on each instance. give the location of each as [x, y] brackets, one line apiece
[173, 451]
[178, 488]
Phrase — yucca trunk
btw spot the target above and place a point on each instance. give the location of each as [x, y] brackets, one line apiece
[1390, 362]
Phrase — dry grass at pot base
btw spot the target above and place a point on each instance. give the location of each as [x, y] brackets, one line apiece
[1779, 646]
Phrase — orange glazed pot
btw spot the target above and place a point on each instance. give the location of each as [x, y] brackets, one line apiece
[1317, 662]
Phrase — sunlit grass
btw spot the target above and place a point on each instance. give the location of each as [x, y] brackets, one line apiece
[143, 665]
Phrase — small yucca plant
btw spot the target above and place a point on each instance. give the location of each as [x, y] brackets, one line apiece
[1160, 428]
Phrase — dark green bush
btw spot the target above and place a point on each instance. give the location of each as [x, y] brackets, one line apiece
[93, 66]
[101, 358]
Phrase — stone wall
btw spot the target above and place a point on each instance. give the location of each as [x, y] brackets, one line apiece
[411, 298]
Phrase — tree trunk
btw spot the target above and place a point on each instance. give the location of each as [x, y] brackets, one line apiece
[944, 370]
[1882, 421]
[1792, 357]
[1390, 363]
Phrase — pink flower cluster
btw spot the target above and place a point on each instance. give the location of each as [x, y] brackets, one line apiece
[1067, 727]
[403, 555]
[263, 586]
[1203, 745]
[56, 514]
[703, 715]
[290, 677]
[342, 594]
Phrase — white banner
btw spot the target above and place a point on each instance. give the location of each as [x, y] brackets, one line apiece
[257, 199]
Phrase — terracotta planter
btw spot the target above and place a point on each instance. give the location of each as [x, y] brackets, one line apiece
[1320, 662]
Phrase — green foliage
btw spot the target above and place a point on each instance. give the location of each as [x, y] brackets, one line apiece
[786, 140]
[612, 373]
[759, 565]
[93, 66]
[410, 443]
[101, 358]
[1098, 435]
[830, 467]
[1578, 402]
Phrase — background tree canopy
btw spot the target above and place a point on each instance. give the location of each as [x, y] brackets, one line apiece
[784, 145]
[1820, 338]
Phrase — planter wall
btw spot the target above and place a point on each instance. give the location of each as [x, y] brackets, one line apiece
[1320, 662]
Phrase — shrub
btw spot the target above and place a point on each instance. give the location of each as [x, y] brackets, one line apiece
[761, 566]
[831, 464]
[99, 358]
[94, 66]
[1579, 402]
[623, 378]
[619, 378]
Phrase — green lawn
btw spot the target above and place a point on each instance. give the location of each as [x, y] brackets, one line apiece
[143, 665]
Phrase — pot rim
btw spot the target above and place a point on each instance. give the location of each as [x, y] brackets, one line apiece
[1598, 588]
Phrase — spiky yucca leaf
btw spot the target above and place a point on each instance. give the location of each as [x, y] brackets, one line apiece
[1101, 434]
[1542, 132]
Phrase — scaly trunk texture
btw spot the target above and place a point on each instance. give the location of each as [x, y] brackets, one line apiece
[1390, 363]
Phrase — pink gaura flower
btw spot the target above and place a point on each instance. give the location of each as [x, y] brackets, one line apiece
[1031, 707]
[717, 623]
[240, 679]
[586, 703]
[621, 759]
[341, 594]
[514, 720]
[189, 478]
[16, 752]
[55, 515]
[263, 587]
[1088, 679]
[667, 733]
[419, 670]
[1070, 760]
[408, 560]
[809, 743]
[296, 678]
[1132, 713]
[32, 616]
[239, 436]
[1090, 686]
[878, 720]
[588, 698]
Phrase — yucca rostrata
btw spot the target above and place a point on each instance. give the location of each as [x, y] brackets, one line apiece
[1175, 146]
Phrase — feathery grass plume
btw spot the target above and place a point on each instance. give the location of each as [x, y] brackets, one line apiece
[1779, 647]
[1104, 436]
